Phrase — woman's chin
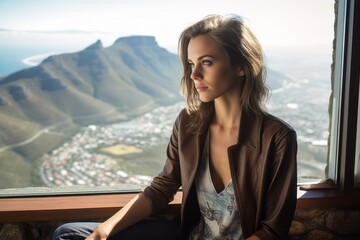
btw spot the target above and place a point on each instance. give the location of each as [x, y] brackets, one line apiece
[206, 100]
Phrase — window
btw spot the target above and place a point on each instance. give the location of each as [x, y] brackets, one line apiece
[87, 119]
[357, 154]
[350, 108]
[344, 106]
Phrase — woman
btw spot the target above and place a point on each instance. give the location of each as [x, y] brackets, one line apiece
[236, 163]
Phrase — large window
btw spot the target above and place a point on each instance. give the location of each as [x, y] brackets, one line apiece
[78, 114]
[344, 112]
[357, 153]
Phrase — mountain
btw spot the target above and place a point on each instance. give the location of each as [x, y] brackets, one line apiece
[43, 107]
[95, 85]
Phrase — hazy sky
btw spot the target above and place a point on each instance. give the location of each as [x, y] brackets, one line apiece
[275, 22]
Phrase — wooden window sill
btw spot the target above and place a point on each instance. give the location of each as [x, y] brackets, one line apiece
[80, 207]
[102, 206]
[322, 197]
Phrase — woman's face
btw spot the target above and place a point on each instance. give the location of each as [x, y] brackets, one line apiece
[212, 73]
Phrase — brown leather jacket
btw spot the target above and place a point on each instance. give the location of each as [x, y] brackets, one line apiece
[263, 170]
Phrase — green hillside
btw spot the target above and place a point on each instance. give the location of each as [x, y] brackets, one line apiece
[94, 85]
[41, 107]
[14, 130]
[15, 171]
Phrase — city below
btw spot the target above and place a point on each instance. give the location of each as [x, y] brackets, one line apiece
[78, 162]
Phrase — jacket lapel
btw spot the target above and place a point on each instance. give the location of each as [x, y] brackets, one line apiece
[250, 131]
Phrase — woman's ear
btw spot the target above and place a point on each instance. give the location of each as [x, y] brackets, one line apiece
[240, 72]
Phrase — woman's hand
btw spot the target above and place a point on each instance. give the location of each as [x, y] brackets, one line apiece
[134, 211]
[98, 234]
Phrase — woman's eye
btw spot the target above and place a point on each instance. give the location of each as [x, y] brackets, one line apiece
[192, 65]
[206, 62]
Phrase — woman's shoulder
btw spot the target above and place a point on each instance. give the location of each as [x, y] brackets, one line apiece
[276, 123]
[185, 122]
[183, 115]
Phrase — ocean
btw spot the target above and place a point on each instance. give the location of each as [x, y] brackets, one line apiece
[17, 46]
[13, 59]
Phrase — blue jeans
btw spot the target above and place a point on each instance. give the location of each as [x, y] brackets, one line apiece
[148, 229]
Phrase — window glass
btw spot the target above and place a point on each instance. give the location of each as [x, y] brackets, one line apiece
[336, 95]
[357, 151]
[89, 90]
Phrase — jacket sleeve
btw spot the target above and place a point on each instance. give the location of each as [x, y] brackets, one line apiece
[281, 195]
[164, 186]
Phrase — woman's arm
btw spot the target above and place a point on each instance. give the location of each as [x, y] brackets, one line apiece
[154, 197]
[134, 211]
[280, 199]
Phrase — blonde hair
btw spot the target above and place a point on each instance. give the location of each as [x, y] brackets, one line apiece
[243, 49]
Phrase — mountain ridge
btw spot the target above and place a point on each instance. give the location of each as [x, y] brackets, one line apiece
[123, 78]
[132, 73]
[43, 106]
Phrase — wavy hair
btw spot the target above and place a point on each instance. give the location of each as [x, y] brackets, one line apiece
[243, 49]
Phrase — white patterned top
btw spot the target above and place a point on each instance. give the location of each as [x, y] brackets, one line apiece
[219, 215]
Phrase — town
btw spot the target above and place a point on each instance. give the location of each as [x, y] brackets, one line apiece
[78, 162]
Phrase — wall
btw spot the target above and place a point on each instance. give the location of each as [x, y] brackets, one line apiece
[326, 224]
[308, 224]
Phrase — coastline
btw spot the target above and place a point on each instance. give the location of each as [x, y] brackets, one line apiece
[36, 59]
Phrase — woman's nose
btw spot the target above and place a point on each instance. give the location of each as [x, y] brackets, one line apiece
[196, 74]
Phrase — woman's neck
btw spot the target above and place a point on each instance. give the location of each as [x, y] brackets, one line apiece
[227, 114]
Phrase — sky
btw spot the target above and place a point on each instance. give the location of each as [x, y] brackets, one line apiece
[275, 22]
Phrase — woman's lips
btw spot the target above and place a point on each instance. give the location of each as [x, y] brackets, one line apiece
[201, 88]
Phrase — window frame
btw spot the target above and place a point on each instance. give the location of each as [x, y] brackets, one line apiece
[340, 194]
[350, 95]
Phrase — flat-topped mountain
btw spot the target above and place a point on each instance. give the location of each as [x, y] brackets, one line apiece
[102, 84]
[43, 107]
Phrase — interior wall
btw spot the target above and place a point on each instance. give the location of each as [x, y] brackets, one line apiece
[308, 224]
